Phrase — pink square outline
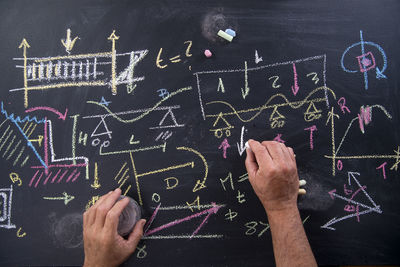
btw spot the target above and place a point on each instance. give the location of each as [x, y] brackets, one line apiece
[366, 55]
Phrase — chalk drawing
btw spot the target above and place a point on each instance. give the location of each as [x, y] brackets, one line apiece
[364, 118]
[366, 61]
[91, 73]
[6, 207]
[368, 208]
[207, 212]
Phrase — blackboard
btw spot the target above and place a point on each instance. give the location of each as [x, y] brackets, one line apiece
[103, 94]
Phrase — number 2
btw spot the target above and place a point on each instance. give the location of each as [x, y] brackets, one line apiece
[274, 85]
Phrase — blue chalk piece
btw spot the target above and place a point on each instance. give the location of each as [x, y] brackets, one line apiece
[230, 32]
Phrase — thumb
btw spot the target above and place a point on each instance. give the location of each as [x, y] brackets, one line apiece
[136, 234]
[251, 163]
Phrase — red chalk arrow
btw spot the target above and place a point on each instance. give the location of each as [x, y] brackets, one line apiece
[224, 146]
[60, 115]
[332, 193]
[295, 87]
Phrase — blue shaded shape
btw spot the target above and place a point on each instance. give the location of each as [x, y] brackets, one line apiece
[230, 32]
[18, 119]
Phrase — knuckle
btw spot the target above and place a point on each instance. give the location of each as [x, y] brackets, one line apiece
[111, 215]
[264, 143]
[101, 209]
[272, 170]
[285, 169]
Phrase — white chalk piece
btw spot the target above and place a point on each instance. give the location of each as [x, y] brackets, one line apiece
[302, 191]
[225, 36]
[207, 53]
[302, 182]
[129, 217]
[231, 32]
[246, 145]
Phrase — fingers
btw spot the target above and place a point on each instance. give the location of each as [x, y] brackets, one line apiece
[285, 152]
[90, 215]
[274, 149]
[136, 234]
[251, 163]
[260, 152]
[112, 217]
[103, 208]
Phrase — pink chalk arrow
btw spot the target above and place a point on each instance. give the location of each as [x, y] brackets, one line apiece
[295, 87]
[224, 146]
[332, 193]
[209, 212]
[60, 115]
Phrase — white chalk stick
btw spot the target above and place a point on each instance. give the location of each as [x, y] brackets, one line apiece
[225, 36]
[246, 145]
[302, 182]
[302, 191]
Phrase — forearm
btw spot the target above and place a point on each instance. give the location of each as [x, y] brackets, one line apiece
[291, 247]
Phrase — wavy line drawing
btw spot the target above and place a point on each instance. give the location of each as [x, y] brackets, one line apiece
[141, 116]
[263, 107]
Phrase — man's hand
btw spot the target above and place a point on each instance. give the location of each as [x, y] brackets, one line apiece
[272, 171]
[103, 245]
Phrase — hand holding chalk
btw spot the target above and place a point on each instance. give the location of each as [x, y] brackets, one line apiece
[273, 173]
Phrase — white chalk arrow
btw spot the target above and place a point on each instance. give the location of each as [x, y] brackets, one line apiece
[368, 209]
[67, 198]
[241, 147]
[335, 220]
[257, 59]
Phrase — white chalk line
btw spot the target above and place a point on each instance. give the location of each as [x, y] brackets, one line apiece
[186, 207]
[72, 159]
[365, 192]
[260, 67]
[8, 213]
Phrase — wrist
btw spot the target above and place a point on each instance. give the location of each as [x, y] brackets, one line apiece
[283, 212]
[96, 264]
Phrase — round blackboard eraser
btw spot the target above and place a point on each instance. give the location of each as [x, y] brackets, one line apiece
[129, 217]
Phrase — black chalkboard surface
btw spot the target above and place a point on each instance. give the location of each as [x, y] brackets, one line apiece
[103, 94]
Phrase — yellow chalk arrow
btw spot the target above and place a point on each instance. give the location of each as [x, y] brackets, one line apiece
[67, 198]
[24, 44]
[68, 43]
[113, 37]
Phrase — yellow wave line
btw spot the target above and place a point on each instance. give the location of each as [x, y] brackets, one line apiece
[265, 106]
[144, 113]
